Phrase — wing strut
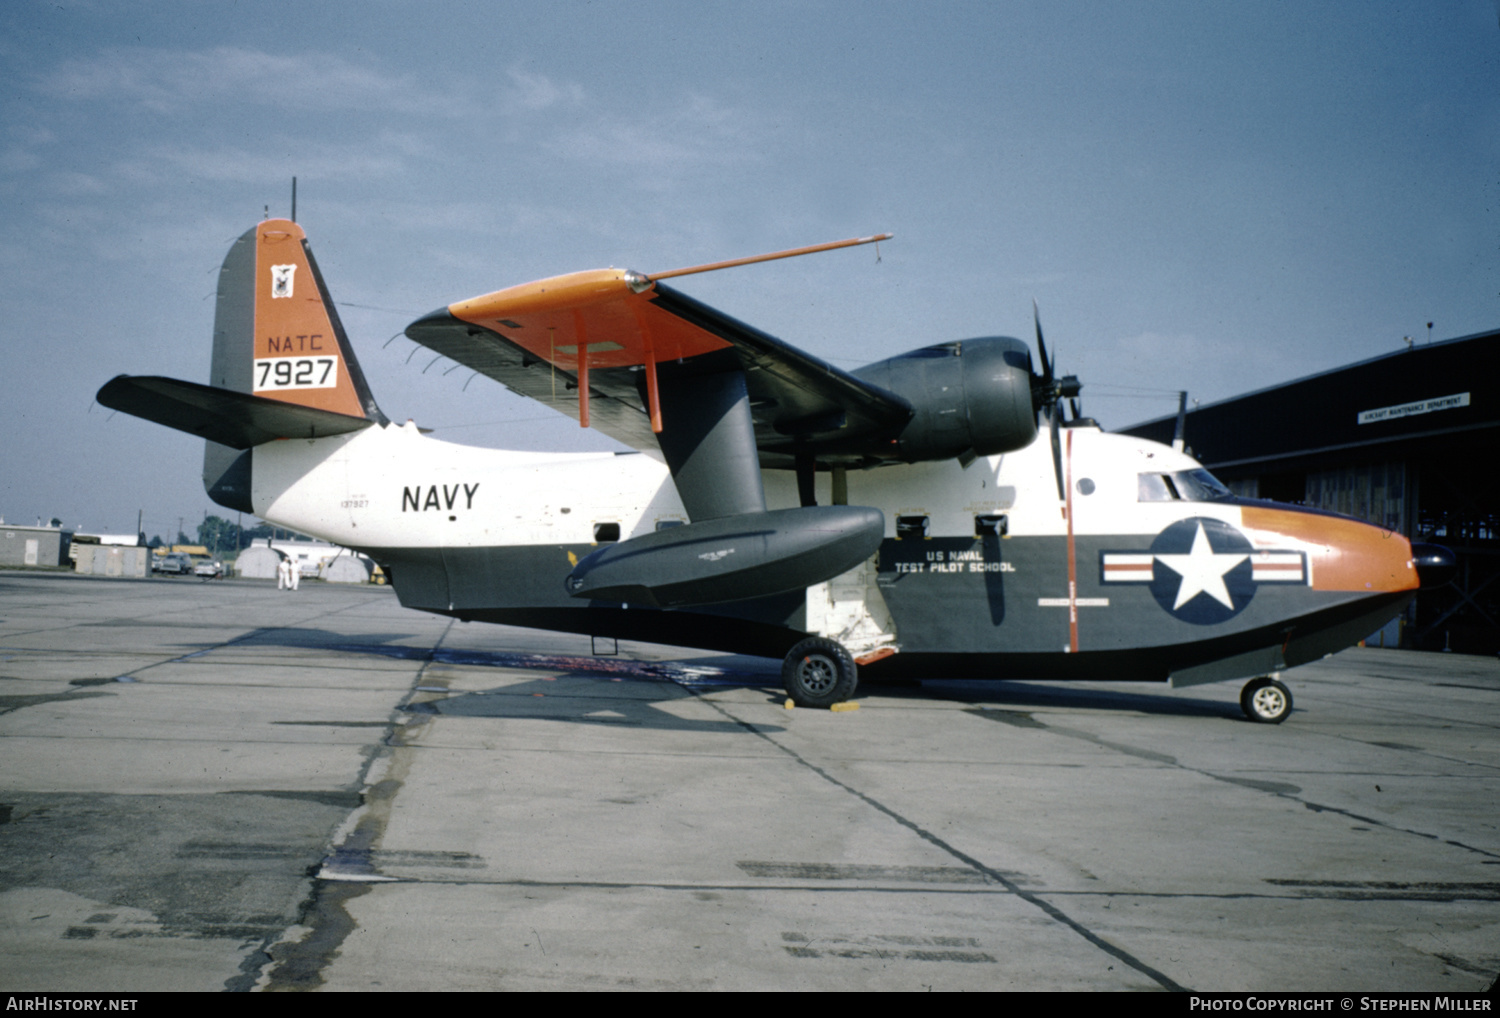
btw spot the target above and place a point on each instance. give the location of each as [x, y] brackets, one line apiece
[653, 396]
[583, 370]
[653, 393]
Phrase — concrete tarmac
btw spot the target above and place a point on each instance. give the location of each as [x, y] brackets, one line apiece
[218, 785]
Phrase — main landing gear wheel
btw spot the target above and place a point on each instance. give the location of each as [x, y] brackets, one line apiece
[1266, 700]
[819, 673]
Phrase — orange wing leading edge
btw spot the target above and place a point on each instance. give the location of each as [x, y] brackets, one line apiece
[606, 318]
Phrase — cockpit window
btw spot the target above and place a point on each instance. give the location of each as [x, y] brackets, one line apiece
[1201, 486]
[1185, 485]
[1153, 488]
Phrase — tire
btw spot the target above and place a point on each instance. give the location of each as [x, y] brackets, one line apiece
[819, 673]
[1266, 701]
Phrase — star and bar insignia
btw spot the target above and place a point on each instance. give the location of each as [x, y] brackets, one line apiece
[1203, 571]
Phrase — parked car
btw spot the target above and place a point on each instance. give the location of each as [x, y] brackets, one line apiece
[176, 562]
[209, 568]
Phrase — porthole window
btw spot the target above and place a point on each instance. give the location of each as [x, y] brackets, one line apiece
[990, 526]
[911, 528]
[1085, 486]
[605, 533]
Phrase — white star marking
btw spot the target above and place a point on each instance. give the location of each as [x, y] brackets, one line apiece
[1202, 571]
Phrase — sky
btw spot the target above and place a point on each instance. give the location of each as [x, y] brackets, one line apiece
[1209, 196]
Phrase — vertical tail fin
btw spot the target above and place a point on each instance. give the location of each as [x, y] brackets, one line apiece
[276, 331]
[278, 335]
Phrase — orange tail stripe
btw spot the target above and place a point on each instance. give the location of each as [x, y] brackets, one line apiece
[297, 357]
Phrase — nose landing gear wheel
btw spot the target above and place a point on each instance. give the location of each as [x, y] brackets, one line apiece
[1265, 700]
[819, 673]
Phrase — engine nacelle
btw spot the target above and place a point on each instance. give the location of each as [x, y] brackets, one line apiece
[971, 396]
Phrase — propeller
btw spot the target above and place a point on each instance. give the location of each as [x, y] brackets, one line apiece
[1047, 392]
[1047, 389]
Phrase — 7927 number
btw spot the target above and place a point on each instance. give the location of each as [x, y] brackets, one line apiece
[296, 373]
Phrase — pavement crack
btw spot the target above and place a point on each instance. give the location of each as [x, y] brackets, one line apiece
[1277, 788]
[1032, 899]
[347, 871]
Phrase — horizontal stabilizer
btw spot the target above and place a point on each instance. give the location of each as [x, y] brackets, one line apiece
[236, 419]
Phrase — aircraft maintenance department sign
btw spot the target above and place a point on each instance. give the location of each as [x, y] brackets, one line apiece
[1421, 406]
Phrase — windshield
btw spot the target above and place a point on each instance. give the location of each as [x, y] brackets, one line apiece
[1185, 486]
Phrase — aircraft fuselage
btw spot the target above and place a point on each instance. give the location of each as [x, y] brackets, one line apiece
[1139, 572]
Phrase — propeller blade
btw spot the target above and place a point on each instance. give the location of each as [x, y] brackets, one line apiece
[1048, 391]
[1041, 346]
[1057, 467]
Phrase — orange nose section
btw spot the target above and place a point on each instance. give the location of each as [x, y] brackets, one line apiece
[1342, 554]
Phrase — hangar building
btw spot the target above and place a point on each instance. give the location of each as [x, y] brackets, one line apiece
[1409, 440]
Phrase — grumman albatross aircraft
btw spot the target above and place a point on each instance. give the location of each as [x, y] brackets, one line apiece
[908, 518]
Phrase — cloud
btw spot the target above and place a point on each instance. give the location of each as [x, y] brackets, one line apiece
[538, 92]
[313, 160]
[663, 138]
[698, 132]
[623, 144]
[71, 183]
[172, 81]
[31, 134]
[18, 160]
[169, 81]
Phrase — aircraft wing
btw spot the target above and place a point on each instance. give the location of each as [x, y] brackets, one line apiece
[620, 330]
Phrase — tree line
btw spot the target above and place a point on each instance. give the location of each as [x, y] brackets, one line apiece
[224, 537]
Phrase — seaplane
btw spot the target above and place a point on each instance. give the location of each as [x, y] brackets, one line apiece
[934, 514]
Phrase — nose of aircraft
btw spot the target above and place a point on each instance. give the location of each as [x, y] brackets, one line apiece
[1436, 565]
[1342, 554]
